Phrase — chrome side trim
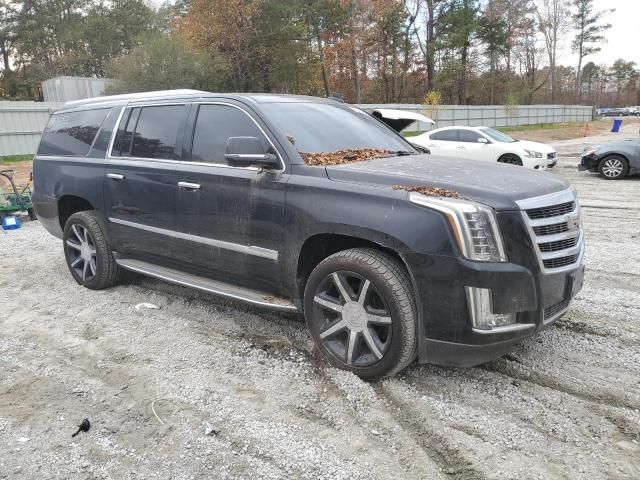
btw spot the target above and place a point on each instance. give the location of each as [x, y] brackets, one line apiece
[516, 327]
[211, 286]
[235, 247]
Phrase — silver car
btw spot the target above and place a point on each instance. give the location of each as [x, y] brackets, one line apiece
[613, 160]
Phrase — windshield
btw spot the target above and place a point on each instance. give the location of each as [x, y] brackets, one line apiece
[323, 127]
[497, 136]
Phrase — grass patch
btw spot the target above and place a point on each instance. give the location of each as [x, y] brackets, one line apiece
[27, 157]
[411, 134]
[539, 126]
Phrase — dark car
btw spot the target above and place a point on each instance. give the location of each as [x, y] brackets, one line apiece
[390, 259]
[613, 160]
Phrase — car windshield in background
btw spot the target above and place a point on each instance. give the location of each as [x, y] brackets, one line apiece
[322, 127]
[497, 135]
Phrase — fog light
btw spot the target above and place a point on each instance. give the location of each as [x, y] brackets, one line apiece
[481, 310]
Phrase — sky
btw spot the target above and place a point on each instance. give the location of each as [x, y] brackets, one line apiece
[623, 38]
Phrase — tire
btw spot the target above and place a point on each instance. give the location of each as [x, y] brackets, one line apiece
[88, 253]
[613, 167]
[511, 159]
[378, 336]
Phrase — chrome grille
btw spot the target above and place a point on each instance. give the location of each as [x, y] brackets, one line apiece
[551, 211]
[558, 245]
[556, 229]
[551, 229]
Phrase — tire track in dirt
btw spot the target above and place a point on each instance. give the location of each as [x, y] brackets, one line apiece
[450, 460]
[525, 373]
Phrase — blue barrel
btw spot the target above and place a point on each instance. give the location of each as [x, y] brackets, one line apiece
[617, 123]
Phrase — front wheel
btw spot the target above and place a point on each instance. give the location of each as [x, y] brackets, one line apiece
[88, 253]
[613, 167]
[360, 309]
[511, 159]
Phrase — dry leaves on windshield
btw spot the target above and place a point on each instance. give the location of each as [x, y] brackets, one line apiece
[428, 191]
[340, 157]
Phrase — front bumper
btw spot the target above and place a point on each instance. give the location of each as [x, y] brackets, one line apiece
[447, 334]
[588, 163]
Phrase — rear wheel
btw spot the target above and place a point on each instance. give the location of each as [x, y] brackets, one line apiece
[88, 253]
[613, 167]
[511, 159]
[360, 310]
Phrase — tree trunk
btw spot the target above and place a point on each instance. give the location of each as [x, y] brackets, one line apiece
[5, 56]
[430, 57]
[323, 66]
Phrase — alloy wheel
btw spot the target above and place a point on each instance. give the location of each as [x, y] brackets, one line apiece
[612, 167]
[82, 252]
[353, 319]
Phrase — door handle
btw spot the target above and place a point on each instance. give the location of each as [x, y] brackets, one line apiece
[461, 147]
[115, 176]
[189, 186]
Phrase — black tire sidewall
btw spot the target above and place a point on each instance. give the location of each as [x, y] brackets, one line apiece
[625, 167]
[97, 236]
[392, 356]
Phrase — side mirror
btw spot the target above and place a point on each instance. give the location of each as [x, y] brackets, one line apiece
[482, 140]
[248, 151]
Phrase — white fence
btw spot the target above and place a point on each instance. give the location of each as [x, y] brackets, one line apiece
[493, 115]
[21, 123]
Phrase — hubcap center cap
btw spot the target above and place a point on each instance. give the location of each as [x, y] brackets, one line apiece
[85, 251]
[355, 316]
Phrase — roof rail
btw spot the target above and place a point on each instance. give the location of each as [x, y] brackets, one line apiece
[134, 96]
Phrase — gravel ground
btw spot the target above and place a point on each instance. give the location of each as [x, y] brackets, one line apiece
[564, 404]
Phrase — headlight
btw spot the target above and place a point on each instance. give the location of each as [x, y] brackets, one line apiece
[533, 154]
[474, 227]
[588, 153]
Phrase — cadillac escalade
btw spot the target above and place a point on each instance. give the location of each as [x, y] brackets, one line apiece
[398, 257]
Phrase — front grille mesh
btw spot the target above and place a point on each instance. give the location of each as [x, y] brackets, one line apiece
[553, 310]
[556, 229]
[551, 211]
[551, 229]
[558, 245]
[560, 262]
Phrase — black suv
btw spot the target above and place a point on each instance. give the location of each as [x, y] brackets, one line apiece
[400, 256]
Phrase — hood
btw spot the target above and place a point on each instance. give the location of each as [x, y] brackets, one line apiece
[535, 146]
[494, 184]
[399, 119]
[625, 142]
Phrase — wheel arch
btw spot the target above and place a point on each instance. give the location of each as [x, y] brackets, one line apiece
[70, 204]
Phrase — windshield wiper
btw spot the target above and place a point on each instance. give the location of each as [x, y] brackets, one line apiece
[400, 153]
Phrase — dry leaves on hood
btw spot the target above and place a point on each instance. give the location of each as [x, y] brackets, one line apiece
[340, 157]
[428, 191]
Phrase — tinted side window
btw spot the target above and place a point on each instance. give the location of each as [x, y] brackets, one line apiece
[469, 136]
[445, 135]
[71, 133]
[156, 131]
[122, 142]
[101, 143]
[214, 125]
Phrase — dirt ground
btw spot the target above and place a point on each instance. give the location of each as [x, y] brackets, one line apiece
[565, 404]
[574, 130]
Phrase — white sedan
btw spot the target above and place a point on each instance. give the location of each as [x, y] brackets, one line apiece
[488, 144]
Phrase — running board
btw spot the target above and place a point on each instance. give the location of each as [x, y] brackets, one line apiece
[241, 294]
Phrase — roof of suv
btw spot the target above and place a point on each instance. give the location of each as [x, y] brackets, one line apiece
[187, 93]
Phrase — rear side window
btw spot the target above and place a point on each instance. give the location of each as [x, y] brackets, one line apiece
[149, 132]
[445, 135]
[214, 125]
[71, 133]
[469, 136]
